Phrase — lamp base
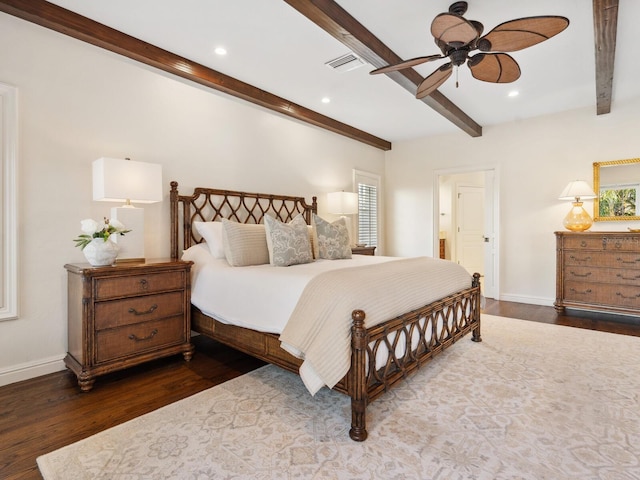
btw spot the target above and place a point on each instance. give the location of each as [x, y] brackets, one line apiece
[131, 244]
[577, 220]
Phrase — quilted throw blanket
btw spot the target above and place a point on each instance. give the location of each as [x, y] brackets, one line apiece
[319, 329]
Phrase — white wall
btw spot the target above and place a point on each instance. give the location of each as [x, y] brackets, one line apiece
[78, 103]
[535, 159]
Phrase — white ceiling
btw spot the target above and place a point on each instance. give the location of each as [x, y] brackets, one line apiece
[273, 47]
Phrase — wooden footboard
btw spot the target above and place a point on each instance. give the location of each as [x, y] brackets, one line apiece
[419, 335]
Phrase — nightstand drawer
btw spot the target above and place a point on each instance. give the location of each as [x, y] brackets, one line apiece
[129, 311]
[134, 339]
[138, 284]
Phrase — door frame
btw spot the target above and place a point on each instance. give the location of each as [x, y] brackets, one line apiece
[492, 207]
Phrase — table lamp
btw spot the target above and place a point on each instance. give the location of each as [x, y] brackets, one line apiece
[577, 220]
[123, 180]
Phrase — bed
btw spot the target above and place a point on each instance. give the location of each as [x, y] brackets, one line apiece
[380, 353]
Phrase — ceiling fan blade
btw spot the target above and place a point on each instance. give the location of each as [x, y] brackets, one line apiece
[453, 30]
[522, 33]
[494, 67]
[433, 81]
[406, 64]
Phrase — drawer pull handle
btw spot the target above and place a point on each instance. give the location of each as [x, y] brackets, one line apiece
[621, 277]
[583, 243]
[585, 292]
[632, 262]
[146, 312]
[585, 259]
[581, 275]
[144, 284]
[632, 297]
[135, 338]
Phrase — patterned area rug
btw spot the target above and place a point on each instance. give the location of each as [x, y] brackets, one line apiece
[532, 401]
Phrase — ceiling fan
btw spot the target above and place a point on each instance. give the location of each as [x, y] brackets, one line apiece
[457, 37]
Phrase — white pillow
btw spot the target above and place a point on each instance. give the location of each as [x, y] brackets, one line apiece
[288, 243]
[244, 243]
[333, 238]
[212, 234]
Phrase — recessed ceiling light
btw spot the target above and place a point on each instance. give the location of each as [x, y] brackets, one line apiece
[220, 51]
[326, 100]
[513, 93]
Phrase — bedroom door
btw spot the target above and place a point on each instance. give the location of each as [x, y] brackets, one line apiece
[470, 228]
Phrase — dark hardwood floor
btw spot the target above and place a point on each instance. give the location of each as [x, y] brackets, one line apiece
[45, 413]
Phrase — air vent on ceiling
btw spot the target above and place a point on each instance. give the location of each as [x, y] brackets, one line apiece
[345, 63]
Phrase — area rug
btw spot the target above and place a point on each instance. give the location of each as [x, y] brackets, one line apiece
[532, 401]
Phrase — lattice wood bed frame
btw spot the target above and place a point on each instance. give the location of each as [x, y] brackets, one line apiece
[458, 314]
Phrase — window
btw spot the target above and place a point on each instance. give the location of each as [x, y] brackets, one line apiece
[368, 188]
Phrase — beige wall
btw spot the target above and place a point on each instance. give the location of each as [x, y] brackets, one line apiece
[78, 103]
[534, 159]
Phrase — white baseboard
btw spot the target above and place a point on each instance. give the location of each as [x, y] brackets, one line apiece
[547, 302]
[25, 371]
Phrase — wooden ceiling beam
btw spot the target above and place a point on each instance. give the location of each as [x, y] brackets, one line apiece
[336, 21]
[605, 26]
[69, 23]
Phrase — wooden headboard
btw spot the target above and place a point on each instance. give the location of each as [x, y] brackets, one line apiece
[208, 205]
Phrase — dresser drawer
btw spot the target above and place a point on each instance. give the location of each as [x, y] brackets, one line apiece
[602, 242]
[129, 311]
[616, 295]
[138, 338]
[602, 275]
[626, 260]
[111, 287]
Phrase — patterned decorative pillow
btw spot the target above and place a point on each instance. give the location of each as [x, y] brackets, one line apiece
[333, 238]
[244, 244]
[212, 234]
[288, 243]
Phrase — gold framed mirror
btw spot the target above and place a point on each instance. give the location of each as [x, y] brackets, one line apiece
[617, 186]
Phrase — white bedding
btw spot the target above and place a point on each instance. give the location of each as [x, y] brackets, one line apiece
[268, 299]
[259, 297]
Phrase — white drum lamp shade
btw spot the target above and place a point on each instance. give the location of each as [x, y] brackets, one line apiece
[128, 182]
[121, 180]
[342, 203]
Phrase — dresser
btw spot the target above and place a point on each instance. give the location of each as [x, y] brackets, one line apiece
[123, 315]
[598, 271]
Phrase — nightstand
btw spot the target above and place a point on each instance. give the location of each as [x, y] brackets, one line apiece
[126, 314]
[363, 250]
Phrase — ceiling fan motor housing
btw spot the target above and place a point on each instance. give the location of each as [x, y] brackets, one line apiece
[458, 57]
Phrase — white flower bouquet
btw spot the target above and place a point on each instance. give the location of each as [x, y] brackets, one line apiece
[92, 229]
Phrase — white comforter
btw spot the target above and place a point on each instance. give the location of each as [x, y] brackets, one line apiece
[259, 297]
